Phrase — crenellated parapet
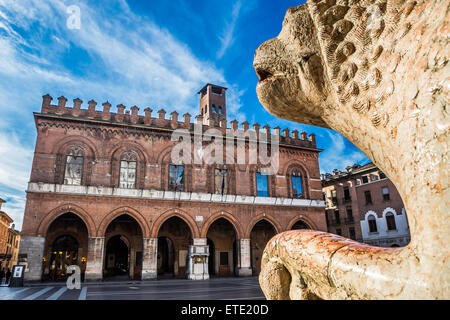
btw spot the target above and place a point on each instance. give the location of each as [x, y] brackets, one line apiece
[122, 115]
[160, 120]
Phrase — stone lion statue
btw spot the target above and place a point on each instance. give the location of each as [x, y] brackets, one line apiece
[376, 71]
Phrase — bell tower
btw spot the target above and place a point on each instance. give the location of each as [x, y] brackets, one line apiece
[213, 105]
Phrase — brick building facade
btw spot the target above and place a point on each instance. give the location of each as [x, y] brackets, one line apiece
[364, 205]
[105, 194]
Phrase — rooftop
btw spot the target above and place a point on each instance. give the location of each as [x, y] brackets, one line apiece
[350, 171]
[3, 214]
[210, 84]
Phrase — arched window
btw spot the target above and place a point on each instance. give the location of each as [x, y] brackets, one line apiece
[297, 184]
[220, 109]
[390, 221]
[213, 108]
[372, 224]
[74, 166]
[128, 164]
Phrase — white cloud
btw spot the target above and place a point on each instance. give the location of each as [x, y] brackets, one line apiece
[144, 64]
[14, 207]
[15, 162]
[15, 168]
[226, 39]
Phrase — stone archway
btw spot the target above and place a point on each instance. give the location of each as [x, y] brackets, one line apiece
[66, 243]
[136, 215]
[123, 249]
[222, 238]
[224, 215]
[174, 239]
[261, 233]
[51, 216]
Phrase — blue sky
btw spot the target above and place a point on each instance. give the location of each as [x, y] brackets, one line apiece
[154, 54]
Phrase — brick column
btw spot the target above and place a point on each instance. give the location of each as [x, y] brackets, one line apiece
[197, 268]
[244, 265]
[149, 259]
[33, 248]
[95, 255]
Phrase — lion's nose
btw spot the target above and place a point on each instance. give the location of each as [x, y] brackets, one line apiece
[265, 58]
[266, 50]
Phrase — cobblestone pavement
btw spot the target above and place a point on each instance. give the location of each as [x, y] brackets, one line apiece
[176, 289]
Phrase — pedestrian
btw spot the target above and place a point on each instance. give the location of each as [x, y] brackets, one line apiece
[8, 275]
[2, 275]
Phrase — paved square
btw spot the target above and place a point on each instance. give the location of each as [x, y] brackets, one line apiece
[176, 289]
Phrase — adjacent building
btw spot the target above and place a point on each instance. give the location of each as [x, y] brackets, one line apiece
[9, 241]
[105, 193]
[12, 246]
[364, 205]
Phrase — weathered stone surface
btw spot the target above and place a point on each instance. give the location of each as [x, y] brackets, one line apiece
[33, 247]
[378, 73]
[94, 267]
[149, 264]
[244, 264]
